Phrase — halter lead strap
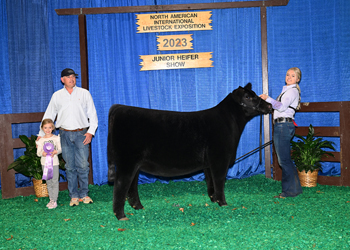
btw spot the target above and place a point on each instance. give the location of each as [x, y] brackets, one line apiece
[254, 107]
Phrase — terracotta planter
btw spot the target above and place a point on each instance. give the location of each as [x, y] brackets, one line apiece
[40, 188]
[308, 179]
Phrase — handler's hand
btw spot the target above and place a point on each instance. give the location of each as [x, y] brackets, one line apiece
[263, 96]
[88, 138]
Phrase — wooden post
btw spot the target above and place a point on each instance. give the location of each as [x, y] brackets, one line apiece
[85, 72]
[345, 143]
[7, 178]
[83, 52]
[265, 80]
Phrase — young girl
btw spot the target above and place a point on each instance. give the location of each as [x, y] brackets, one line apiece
[48, 126]
[284, 109]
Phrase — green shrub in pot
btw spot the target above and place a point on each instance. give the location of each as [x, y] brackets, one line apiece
[308, 151]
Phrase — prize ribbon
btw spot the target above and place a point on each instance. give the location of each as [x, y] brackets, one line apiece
[48, 168]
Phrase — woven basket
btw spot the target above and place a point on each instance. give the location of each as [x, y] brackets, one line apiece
[40, 188]
[308, 179]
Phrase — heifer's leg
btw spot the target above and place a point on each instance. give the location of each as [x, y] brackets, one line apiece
[210, 186]
[122, 184]
[219, 186]
[219, 178]
[133, 194]
[119, 196]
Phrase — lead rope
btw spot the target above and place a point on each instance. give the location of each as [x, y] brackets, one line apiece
[253, 151]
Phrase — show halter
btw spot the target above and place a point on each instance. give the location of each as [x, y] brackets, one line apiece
[252, 107]
[48, 168]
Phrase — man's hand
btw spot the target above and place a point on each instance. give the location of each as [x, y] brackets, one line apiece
[88, 138]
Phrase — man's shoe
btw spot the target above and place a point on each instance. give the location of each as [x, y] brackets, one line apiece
[74, 202]
[87, 200]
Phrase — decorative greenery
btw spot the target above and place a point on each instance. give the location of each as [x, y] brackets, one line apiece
[308, 151]
[29, 164]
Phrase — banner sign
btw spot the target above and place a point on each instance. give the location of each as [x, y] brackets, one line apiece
[175, 42]
[176, 61]
[179, 21]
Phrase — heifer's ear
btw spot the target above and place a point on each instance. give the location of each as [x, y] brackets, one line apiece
[248, 86]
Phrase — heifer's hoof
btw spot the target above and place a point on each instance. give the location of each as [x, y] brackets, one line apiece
[137, 207]
[121, 217]
[222, 204]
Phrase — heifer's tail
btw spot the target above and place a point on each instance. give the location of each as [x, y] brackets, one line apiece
[111, 165]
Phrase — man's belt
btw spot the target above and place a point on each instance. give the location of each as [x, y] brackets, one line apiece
[74, 130]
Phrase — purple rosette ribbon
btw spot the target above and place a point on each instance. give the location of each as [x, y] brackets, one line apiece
[48, 168]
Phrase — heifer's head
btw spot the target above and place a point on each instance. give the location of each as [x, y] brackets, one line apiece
[251, 103]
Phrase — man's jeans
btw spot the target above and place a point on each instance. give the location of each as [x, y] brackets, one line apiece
[76, 155]
[283, 133]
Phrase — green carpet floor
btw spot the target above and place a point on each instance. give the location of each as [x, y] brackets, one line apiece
[179, 215]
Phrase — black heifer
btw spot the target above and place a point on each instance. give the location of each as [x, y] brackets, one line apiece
[169, 144]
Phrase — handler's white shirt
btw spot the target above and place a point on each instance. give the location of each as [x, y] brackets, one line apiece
[73, 111]
[289, 98]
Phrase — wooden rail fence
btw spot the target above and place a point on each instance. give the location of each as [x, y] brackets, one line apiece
[343, 132]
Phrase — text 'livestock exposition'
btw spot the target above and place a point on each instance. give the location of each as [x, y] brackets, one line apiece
[173, 21]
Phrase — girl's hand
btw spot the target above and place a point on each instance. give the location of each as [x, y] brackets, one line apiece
[263, 96]
[44, 153]
[53, 153]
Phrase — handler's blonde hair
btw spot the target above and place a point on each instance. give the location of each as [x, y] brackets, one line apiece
[47, 121]
[298, 73]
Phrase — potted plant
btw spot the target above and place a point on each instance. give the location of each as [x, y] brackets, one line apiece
[307, 153]
[29, 165]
